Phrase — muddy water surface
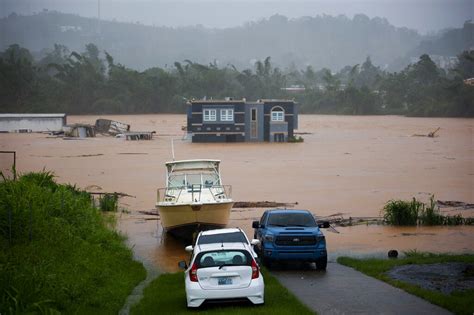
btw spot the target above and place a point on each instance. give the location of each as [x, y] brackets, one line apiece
[348, 165]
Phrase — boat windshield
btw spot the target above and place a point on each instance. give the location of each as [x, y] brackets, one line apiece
[206, 180]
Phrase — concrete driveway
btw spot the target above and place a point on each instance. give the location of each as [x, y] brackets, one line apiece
[343, 290]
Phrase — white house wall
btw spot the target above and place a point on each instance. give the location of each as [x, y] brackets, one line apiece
[10, 124]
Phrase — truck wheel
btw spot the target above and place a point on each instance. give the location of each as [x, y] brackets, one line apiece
[322, 263]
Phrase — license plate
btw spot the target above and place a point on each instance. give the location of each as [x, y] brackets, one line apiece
[224, 281]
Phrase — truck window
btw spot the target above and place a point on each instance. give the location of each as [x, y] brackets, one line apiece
[291, 219]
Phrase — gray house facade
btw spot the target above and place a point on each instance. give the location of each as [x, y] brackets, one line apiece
[242, 121]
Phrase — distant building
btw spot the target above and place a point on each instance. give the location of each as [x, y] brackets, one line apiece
[238, 120]
[32, 122]
[294, 89]
[469, 81]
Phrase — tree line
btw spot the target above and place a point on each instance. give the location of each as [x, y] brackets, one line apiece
[91, 82]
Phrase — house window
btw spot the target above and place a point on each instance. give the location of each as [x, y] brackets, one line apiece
[278, 114]
[227, 115]
[209, 115]
[254, 114]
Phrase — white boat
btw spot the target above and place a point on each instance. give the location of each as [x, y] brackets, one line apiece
[194, 198]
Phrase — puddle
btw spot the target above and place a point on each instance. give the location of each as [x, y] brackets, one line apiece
[442, 277]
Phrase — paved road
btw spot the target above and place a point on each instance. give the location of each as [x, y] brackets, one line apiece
[343, 290]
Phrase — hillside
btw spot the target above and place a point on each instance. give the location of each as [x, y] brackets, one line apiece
[321, 41]
[448, 43]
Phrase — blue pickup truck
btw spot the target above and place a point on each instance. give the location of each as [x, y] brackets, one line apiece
[290, 235]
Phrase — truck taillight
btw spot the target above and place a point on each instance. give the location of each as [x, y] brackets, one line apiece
[193, 273]
[255, 270]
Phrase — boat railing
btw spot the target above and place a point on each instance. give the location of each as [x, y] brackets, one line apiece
[194, 193]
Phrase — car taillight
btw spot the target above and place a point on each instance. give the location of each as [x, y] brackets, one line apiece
[193, 273]
[255, 270]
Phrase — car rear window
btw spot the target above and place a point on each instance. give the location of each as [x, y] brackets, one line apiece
[291, 219]
[234, 237]
[223, 258]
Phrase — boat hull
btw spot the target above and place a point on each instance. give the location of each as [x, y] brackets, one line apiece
[183, 220]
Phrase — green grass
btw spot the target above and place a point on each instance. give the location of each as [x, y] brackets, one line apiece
[58, 253]
[457, 302]
[166, 295]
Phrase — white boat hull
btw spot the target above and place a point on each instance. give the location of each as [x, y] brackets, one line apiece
[189, 217]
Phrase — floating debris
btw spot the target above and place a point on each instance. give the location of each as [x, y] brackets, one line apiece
[137, 135]
[263, 204]
[454, 204]
[111, 127]
[79, 131]
[431, 134]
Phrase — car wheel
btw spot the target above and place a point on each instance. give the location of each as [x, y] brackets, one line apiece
[322, 263]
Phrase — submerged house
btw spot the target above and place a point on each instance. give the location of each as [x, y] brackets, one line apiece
[32, 122]
[238, 120]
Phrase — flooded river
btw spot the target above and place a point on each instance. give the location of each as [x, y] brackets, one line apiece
[348, 165]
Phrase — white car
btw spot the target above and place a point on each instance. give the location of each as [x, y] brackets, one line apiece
[219, 236]
[223, 272]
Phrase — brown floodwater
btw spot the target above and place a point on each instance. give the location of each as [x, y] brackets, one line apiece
[347, 164]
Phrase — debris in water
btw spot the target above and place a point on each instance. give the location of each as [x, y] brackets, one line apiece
[79, 131]
[111, 127]
[137, 135]
[133, 153]
[82, 155]
[119, 194]
[454, 204]
[263, 204]
[149, 212]
[431, 134]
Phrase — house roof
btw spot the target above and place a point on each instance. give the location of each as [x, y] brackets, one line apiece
[260, 101]
[32, 115]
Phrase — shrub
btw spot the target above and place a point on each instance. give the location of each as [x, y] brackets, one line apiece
[108, 202]
[429, 215]
[399, 212]
[295, 139]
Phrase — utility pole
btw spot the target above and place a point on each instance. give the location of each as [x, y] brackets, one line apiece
[98, 17]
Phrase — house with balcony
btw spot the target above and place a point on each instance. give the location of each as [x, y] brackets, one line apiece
[232, 120]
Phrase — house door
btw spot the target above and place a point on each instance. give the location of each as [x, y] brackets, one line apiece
[279, 137]
[253, 124]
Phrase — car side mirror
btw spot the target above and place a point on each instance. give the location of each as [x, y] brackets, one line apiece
[255, 224]
[189, 248]
[323, 224]
[254, 242]
[182, 264]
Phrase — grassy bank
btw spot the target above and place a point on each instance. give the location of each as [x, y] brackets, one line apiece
[457, 302]
[58, 252]
[166, 295]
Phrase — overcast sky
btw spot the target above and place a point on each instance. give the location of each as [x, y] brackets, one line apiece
[422, 15]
